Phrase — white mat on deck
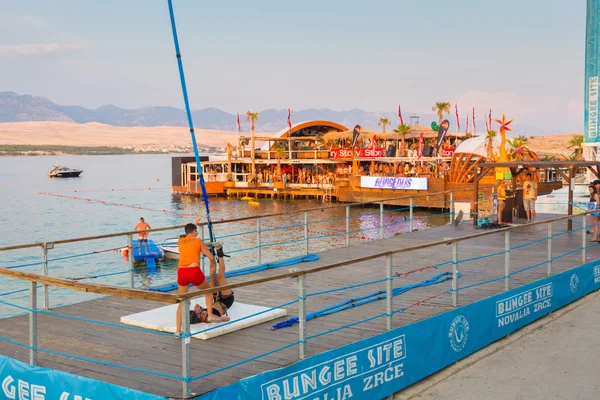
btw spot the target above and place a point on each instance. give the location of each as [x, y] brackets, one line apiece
[163, 319]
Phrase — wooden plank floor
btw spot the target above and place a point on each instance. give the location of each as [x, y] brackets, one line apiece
[163, 354]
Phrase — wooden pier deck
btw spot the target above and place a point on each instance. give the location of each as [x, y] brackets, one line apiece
[163, 353]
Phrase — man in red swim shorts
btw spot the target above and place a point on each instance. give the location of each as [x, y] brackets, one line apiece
[189, 272]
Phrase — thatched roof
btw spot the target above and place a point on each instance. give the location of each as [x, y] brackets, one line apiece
[333, 136]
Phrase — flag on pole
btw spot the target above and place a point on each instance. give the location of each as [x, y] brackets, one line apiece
[474, 126]
[400, 115]
[289, 119]
[486, 122]
[467, 130]
[238, 121]
[355, 135]
[490, 118]
[457, 121]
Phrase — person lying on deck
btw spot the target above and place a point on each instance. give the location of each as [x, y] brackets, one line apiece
[222, 301]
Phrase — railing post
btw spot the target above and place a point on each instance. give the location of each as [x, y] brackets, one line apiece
[389, 298]
[306, 237]
[583, 240]
[258, 244]
[186, 364]
[302, 316]
[46, 304]
[202, 259]
[131, 260]
[33, 323]
[455, 274]
[347, 226]
[506, 260]
[451, 207]
[410, 216]
[381, 233]
[549, 248]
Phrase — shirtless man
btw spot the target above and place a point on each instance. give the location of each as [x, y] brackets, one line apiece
[189, 272]
[142, 236]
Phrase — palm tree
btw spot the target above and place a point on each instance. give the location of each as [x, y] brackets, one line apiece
[279, 154]
[383, 122]
[577, 141]
[491, 134]
[523, 140]
[547, 157]
[229, 149]
[440, 108]
[402, 129]
[252, 116]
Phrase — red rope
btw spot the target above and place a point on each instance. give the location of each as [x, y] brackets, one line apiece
[418, 303]
[405, 274]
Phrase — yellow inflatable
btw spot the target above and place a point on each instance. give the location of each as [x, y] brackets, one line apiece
[253, 203]
[247, 198]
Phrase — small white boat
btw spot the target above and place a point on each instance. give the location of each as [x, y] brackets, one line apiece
[170, 249]
[58, 171]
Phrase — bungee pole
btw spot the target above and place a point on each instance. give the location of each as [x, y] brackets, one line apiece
[191, 125]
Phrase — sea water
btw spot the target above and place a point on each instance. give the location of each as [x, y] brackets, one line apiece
[112, 194]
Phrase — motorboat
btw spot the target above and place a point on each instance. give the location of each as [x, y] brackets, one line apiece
[170, 249]
[58, 171]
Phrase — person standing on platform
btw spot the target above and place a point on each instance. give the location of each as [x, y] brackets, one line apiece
[142, 236]
[593, 205]
[530, 193]
[501, 200]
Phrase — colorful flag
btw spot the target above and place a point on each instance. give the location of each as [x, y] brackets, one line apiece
[474, 126]
[400, 115]
[457, 120]
[467, 130]
[486, 122]
[238, 122]
[289, 119]
[355, 135]
[490, 118]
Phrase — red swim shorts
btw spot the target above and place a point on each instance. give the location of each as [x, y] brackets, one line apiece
[193, 275]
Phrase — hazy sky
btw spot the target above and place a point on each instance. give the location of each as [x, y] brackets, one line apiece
[523, 57]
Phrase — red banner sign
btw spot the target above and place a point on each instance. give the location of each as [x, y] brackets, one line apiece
[448, 151]
[359, 153]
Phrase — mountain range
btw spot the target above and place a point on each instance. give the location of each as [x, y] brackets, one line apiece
[21, 108]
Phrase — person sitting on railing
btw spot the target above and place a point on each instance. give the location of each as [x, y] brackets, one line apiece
[189, 272]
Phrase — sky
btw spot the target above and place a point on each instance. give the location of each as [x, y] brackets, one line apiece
[523, 58]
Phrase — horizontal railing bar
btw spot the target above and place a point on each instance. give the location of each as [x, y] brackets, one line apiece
[174, 298]
[90, 287]
[367, 258]
[110, 235]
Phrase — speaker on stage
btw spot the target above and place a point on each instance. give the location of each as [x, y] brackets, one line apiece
[427, 151]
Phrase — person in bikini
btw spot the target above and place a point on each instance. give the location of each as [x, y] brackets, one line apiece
[189, 272]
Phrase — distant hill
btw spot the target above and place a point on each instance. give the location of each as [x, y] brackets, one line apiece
[21, 108]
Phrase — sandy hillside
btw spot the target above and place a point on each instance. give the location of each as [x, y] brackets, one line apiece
[95, 134]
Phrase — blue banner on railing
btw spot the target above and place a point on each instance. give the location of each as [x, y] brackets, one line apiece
[22, 381]
[376, 367]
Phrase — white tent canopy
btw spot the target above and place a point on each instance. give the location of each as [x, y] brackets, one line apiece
[478, 145]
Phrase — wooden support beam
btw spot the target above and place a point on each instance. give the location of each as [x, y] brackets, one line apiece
[564, 176]
[594, 171]
[571, 181]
